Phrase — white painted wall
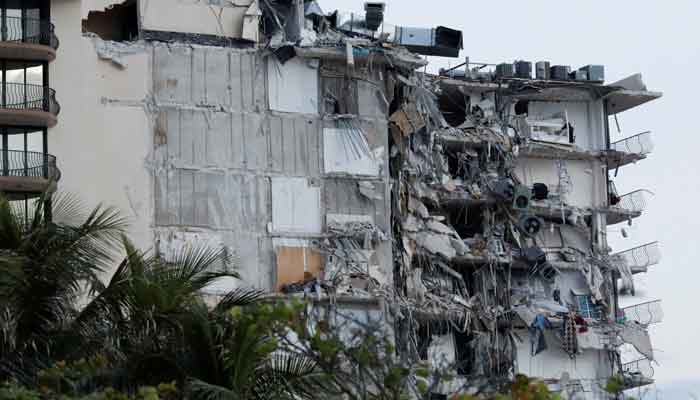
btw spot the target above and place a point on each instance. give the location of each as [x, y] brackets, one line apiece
[189, 16]
[587, 179]
[550, 364]
[586, 117]
[103, 135]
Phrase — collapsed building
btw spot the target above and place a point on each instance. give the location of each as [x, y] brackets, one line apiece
[467, 210]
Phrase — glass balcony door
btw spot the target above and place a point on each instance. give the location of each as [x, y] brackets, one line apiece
[23, 153]
[22, 86]
[25, 21]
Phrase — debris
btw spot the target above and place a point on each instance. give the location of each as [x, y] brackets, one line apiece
[284, 53]
[408, 119]
[436, 244]
[368, 190]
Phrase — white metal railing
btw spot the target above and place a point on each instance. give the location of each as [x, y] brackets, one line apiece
[647, 313]
[639, 369]
[641, 257]
[638, 144]
[634, 202]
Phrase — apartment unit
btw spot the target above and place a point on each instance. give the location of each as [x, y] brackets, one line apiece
[466, 211]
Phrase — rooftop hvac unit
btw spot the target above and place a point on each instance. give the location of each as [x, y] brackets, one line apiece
[595, 73]
[523, 69]
[560, 72]
[504, 70]
[542, 70]
[579, 75]
[441, 41]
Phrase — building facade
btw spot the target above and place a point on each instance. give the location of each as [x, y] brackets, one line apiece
[29, 106]
[466, 210]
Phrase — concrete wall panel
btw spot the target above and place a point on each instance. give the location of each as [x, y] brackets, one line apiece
[293, 86]
[296, 205]
[193, 17]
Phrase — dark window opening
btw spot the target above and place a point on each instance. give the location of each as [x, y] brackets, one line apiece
[464, 353]
[118, 23]
[521, 107]
[454, 105]
[468, 221]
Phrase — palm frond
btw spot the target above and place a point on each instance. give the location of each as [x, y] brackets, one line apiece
[11, 225]
[200, 390]
[289, 376]
[239, 298]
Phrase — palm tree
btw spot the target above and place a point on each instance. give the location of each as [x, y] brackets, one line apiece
[46, 264]
[152, 320]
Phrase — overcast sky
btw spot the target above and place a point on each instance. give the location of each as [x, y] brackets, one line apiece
[661, 40]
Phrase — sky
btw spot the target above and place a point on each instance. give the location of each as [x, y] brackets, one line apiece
[660, 40]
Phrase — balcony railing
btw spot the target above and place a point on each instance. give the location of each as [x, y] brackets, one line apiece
[20, 96]
[638, 373]
[30, 164]
[28, 30]
[640, 258]
[645, 313]
[640, 144]
[634, 202]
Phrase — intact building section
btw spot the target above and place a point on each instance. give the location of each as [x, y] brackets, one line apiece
[28, 106]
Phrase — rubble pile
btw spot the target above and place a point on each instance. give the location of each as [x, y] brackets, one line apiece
[491, 243]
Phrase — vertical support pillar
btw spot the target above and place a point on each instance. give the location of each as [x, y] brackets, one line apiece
[5, 153]
[46, 91]
[3, 17]
[45, 161]
[25, 155]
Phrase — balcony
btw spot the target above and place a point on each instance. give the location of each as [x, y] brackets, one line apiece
[626, 207]
[27, 173]
[637, 373]
[28, 105]
[630, 150]
[645, 313]
[639, 259]
[27, 39]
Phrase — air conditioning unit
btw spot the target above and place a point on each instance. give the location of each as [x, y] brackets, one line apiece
[521, 198]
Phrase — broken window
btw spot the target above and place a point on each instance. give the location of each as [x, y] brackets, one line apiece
[453, 105]
[119, 22]
[297, 267]
[339, 93]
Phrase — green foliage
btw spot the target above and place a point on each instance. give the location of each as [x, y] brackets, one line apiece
[12, 391]
[615, 385]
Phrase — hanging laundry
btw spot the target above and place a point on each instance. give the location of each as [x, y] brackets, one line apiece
[538, 343]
